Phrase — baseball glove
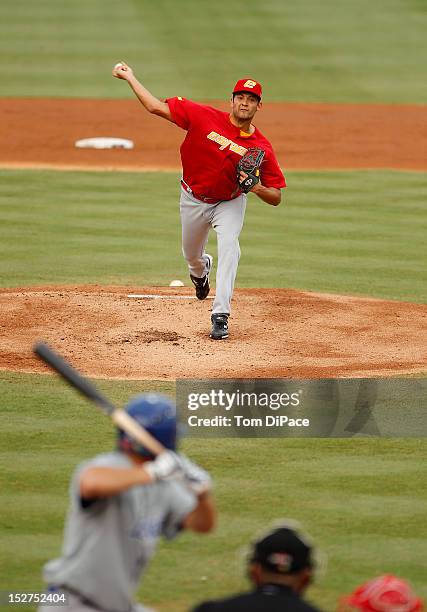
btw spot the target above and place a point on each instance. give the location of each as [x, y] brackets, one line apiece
[250, 164]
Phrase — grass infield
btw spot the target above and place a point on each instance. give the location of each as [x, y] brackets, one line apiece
[361, 500]
[360, 232]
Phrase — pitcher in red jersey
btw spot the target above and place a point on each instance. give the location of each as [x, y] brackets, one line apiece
[211, 196]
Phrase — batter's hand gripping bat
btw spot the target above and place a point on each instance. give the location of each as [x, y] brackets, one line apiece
[118, 416]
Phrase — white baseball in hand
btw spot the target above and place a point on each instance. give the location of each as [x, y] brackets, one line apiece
[119, 65]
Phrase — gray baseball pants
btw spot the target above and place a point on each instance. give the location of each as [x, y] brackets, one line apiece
[226, 218]
[75, 604]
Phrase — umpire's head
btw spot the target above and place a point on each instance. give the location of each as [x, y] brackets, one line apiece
[282, 556]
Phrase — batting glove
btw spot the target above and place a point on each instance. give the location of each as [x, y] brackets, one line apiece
[195, 478]
[166, 466]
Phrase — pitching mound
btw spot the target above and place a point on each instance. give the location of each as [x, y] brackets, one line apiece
[273, 333]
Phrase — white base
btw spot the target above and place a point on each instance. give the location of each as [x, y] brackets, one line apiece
[104, 143]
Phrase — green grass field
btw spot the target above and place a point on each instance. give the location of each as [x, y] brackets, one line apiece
[361, 500]
[343, 232]
[355, 232]
[357, 51]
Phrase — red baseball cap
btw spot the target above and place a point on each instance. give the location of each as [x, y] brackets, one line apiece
[383, 594]
[249, 86]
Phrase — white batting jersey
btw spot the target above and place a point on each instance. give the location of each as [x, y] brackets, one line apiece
[108, 544]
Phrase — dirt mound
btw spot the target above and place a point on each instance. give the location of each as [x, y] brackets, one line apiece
[273, 333]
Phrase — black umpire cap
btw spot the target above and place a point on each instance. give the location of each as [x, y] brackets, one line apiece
[282, 551]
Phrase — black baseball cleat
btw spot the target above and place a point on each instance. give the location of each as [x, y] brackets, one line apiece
[202, 284]
[219, 326]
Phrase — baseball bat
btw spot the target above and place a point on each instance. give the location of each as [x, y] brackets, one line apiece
[86, 388]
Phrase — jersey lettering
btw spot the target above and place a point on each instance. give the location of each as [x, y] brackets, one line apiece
[226, 142]
[237, 149]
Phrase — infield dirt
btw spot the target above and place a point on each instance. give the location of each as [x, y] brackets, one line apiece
[42, 132]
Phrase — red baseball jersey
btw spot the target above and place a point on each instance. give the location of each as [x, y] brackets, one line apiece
[212, 148]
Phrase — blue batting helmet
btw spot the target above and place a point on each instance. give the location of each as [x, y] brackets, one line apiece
[157, 414]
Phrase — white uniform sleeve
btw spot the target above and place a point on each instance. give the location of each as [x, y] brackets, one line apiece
[182, 502]
[114, 460]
